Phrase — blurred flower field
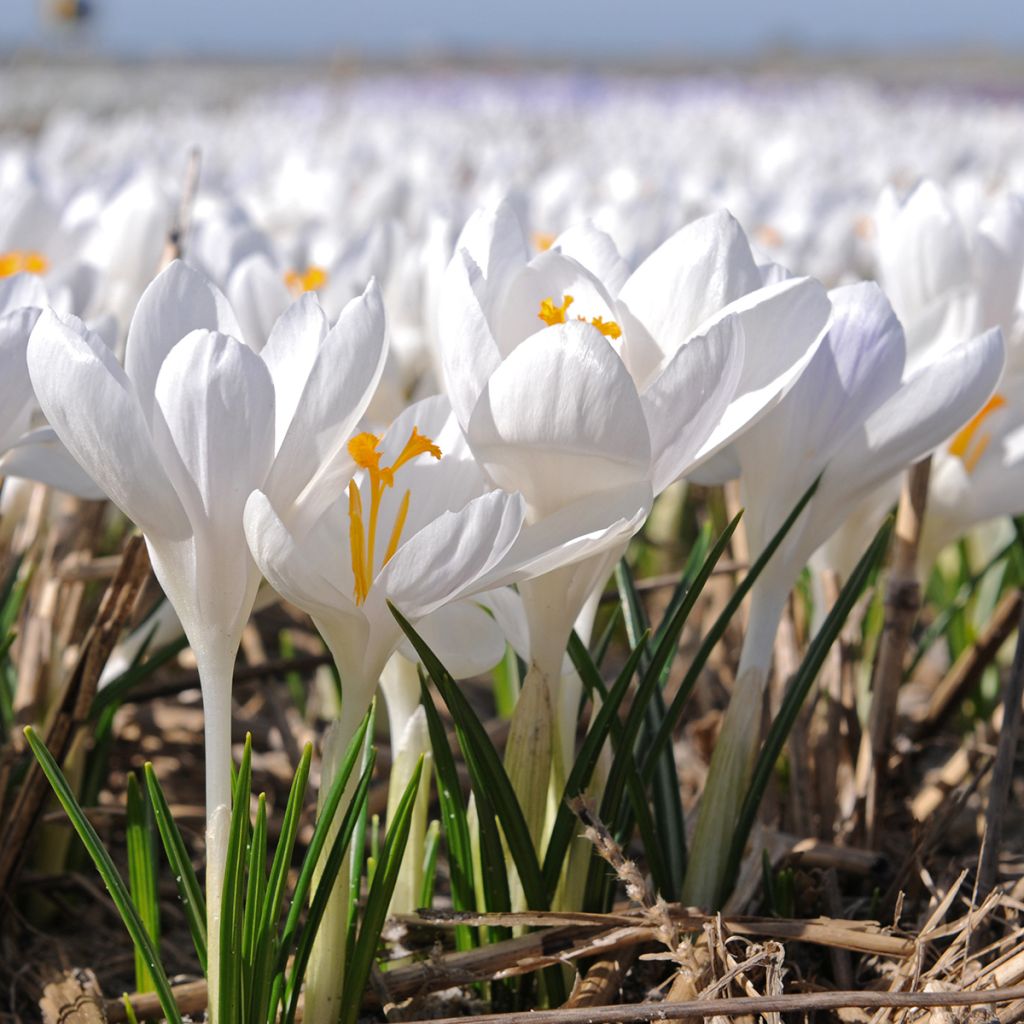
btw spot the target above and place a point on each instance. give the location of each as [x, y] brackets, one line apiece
[478, 541]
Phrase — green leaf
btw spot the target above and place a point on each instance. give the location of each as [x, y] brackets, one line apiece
[108, 872]
[431, 844]
[177, 856]
[335, 858]
[796, 693]
[486, 769]
[117, 689]
[675, 710]
[456, 823]
[564, 825]
[142, 877]
[378, 899]
[229, 1009]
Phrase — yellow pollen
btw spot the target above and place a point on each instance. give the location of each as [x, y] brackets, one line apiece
[968, 445]
[609, 330]
[552, 314]
[309, 280]
[363, 533]
[26, 261]
[543, 240]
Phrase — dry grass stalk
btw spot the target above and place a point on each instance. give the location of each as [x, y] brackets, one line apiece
[73, 998]
[178, 231]
[902, 603]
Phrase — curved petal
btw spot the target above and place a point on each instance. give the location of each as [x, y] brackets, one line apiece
[22, 290]
[334, 395]
[463, 636]
[258, 295]
[444, 561]
[40, 456]
[90, 403]
[469, 353]
[689, 278]
[560, 419]
[15, 384]
[596, 251]
[178, 301]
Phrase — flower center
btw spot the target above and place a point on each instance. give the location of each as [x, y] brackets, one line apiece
[552, 314]
[362, 533]
[967, 445]
[309, 280]
[542, 240]
[27, 261]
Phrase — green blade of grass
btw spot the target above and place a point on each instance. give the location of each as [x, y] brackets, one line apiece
[142, 877]
[177, 856]
[335, 859]
[108, 872]
[453, 815]
[484, 763]
[229, 1008]
[378, 899]
[675, 710]
[431, 845]
[582, 769]
[795, 695]
[116, 690]
[255, 883]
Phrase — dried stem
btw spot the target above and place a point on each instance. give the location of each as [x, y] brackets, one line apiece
[902, 602]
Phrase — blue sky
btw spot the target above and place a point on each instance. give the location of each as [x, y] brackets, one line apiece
[576, 28]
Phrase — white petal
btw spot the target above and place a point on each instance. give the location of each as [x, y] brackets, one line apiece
[15, 385]
[560, 419]
[334, 395]
[179, 300]
[689, 278]
[90, 403]
[465, 638]
[596, 251]
[40, 456]
[258, 296]
[469, 353]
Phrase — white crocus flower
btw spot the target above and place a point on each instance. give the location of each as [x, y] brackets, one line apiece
[423, 530]
[181, 436]
[616, 394]
[857, 418]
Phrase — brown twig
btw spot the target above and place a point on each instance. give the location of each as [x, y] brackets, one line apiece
[72, 710]
[797, 1003]
[1002, 771]
[902, 602]
[968, 668]
[178, 230]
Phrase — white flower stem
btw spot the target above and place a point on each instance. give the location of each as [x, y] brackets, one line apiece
[216, 666]
[733, 756]
[410, 739]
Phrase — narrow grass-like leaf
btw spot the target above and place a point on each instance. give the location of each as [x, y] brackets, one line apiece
[230, 996]
[321, 831]
[579, 776]
[335, 858]
[378, 899]
[431, 845]
[358, 851]
[255, 883]
[141, 876]
[604, 640]
[675, 710]
[484, 763]
[453, 815]
[796, 694]
[665, 789]
[293, 680]
[118, 688]
[270, 912]
[177, 856]
[108, 872]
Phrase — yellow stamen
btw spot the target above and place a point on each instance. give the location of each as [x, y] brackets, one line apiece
[543, 240]
[552, 314]
[396, 530]
[355, 536]
[967, 445]
[610, 329]
[308, 280]
[26, 261]
[363, 541]
[363, 449]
